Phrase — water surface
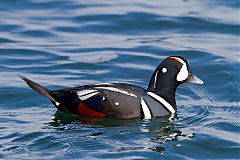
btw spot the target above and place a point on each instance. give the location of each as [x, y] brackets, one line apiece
[70, 43]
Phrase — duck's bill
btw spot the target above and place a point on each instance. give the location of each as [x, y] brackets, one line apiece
[194, 79]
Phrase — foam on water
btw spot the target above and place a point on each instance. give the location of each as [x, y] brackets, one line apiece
[93, 57]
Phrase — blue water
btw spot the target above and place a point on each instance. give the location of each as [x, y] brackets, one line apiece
[70, 43]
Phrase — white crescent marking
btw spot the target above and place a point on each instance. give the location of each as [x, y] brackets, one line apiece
[183, 73]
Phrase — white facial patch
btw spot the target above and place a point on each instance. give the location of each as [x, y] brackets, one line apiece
[164, 70]
[183, 73]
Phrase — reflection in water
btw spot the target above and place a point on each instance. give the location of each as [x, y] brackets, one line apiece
[155, 134]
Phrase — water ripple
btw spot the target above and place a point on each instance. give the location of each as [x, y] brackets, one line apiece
[71, 43]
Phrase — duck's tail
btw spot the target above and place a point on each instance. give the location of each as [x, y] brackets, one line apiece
[38, 88]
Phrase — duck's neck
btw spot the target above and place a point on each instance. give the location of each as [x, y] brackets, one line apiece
[164, 88]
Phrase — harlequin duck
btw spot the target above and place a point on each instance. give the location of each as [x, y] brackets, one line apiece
[124, 101]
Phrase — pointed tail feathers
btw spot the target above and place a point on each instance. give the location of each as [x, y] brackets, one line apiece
[38, 88]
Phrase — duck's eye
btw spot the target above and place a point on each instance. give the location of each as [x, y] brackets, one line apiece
[177, 68]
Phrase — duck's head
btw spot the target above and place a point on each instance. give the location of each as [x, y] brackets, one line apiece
[182, 70]
[170, 73]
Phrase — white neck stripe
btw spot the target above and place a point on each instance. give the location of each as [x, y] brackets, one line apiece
[146, 111]
[163, 101]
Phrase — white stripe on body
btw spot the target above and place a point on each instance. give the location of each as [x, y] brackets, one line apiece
[85, 94]
[145, 108]
[117, 90]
